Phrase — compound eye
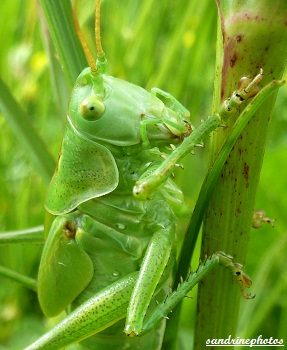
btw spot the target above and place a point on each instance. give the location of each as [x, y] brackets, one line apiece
[92, 108]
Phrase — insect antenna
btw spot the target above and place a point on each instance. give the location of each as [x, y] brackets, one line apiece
[101, 57]
[87, 51]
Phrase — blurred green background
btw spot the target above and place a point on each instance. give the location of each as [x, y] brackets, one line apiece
[168, 44]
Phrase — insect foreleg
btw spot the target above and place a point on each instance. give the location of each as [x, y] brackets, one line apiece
[248, 88]
[145, 186]
[172, 103]
[174, 126]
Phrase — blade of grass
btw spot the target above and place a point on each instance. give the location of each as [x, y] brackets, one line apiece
[17, 277]
[32, 235]
[59, 17]
[27, 135]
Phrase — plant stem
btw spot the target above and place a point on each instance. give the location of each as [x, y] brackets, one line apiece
[202, 202]
[254, 34]
[17, 277]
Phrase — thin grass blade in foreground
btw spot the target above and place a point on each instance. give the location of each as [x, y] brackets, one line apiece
[21, 125]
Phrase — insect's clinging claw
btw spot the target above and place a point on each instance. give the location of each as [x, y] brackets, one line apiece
[259, 216]
[242, 279]
[200, 145]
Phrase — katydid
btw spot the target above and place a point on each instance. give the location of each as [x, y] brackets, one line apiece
[109, 253]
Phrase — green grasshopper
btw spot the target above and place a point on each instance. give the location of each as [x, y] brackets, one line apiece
[109, 252]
